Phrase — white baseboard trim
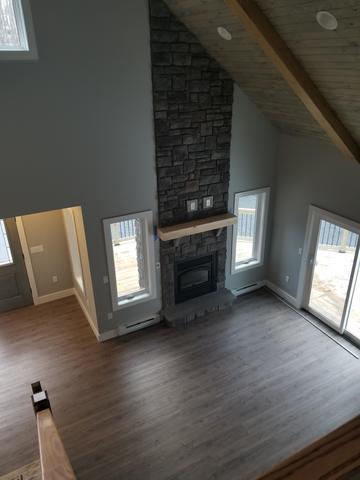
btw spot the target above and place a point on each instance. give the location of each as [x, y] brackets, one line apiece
[248, 288]
[281, 293]
[53, 296]
[108, 335]
[133, 327]
[87, 315]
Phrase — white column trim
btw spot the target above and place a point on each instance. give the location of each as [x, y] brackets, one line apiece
[27, 259]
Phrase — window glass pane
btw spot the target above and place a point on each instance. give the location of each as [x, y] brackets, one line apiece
[246, 229]
[9, 34]
[5, 252]
[333, 264]
[129, 259]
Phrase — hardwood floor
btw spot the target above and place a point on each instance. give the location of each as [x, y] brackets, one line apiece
[225, 399]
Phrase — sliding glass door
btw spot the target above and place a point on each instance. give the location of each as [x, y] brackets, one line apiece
[352, 326]
[332, 291]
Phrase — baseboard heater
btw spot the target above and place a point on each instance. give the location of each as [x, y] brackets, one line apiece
[143, 322]
[248, 288]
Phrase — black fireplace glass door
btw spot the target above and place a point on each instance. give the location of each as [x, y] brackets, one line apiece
[193, 278]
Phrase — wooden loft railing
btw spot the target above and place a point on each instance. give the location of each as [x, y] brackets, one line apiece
[55, 464]
[332, 457]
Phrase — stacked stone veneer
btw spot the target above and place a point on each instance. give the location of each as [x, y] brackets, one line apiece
[193, 99]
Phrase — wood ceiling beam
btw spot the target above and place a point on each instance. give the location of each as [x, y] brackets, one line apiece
[259, 27]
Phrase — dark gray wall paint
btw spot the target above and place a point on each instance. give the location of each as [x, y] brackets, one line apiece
[76, 125]
[308, 172]
[254, 144]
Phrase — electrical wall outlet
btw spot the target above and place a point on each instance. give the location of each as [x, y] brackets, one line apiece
[300, 251]
[110, 316]
[208, 202]
[105, 279]
[287, 278]
[192, 205]
[55, 278]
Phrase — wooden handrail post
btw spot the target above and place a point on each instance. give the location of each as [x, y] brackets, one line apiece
[55, 464]
[40, 398]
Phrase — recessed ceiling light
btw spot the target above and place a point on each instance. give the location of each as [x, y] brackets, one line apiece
[327, 20]
[225, 34]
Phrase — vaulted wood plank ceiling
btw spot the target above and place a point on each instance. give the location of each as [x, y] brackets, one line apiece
[331, 58]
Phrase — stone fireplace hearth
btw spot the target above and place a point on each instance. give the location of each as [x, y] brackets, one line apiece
[192, 97]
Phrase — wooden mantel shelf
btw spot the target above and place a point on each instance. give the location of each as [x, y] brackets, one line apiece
[196, 226]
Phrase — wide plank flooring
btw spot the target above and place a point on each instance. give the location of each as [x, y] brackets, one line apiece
[225, 399]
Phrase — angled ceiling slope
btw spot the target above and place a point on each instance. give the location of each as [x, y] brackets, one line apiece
[331, 58]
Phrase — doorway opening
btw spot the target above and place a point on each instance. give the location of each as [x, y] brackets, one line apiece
[44, 257]
[332, 280]
[15, 291]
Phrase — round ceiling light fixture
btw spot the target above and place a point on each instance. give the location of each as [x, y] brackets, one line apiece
[224, 34]
[327, 20]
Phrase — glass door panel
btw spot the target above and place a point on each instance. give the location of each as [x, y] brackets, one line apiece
[332, 271]
[353, 323]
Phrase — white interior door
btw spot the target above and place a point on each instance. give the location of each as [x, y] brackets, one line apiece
[332, 269]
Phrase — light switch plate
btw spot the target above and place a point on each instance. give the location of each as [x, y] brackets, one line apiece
[208, 202]
[37, 249]
[192, 205]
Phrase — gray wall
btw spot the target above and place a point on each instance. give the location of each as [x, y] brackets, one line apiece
[47, 229]
[308, 172]
[76, 125]
[252, 165]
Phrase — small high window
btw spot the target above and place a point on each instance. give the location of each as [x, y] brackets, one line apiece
[249, 232]
[130, 251]
[17, 39]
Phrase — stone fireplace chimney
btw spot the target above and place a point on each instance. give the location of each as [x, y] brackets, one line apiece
[192, 97]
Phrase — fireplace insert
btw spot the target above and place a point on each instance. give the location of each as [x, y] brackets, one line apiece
[195, 277]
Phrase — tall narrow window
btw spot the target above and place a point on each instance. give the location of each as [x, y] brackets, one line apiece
[249, 232]
[5, 251]
[130, 251]
[16, 31]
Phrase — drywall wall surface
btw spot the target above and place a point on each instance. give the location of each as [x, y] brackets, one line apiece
[46, 240]
[309, 172]
[254, 143]
[77, 125]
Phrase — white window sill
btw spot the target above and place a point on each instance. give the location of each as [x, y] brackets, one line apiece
[128, 302]
[246, 266]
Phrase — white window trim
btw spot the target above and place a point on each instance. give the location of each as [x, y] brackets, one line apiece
[149, 251]
[25, 27]
[261, 228]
